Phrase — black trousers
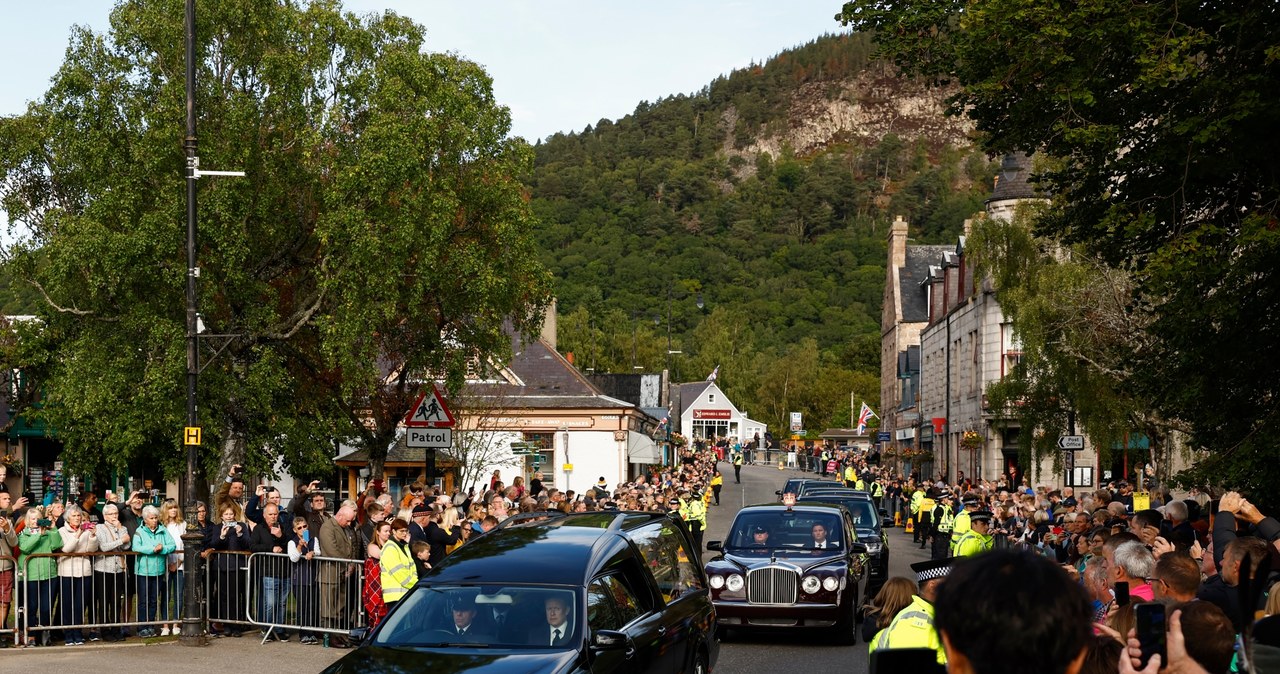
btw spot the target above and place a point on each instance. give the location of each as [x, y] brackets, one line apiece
[737, 473]
[715, 490]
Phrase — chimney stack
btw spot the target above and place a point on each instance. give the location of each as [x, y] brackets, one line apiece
[549, 325]
[898, 243]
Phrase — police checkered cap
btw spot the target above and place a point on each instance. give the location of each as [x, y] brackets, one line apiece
[980, 516]
[933, 568]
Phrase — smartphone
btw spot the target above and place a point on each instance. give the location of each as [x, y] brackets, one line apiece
[1150, 626]
[1122, 593]
[86, 526]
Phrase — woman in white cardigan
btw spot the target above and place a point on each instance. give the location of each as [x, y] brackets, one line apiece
[75, 572]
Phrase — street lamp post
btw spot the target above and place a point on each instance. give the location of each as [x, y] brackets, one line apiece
[192, 627]
[670, 352]
[192, 613]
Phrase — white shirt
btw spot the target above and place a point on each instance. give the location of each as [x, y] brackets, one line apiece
[564, 630]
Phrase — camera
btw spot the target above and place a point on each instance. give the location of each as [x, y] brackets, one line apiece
[43, 522]
[86, 526]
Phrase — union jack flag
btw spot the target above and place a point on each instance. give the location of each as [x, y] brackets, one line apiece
[863, 417]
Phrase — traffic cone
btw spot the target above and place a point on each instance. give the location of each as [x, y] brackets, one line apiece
[897, 518]
[779, 465]
[911, 527]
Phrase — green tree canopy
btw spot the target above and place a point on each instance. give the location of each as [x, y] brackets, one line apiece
[1159, 119]
[382, 234]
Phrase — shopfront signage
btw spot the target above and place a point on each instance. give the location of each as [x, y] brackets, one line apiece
[711, 414]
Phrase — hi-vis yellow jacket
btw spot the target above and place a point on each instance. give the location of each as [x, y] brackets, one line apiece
[399, 573]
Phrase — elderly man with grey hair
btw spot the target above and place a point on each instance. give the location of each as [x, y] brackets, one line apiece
[338, 542]
[1134, 564]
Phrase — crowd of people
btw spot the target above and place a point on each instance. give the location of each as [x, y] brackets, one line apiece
[1074, 572]
[111, 570]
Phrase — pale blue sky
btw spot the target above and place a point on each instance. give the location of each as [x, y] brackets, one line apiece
[558, 64]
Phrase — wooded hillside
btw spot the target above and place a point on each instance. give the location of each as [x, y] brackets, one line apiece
[767, 195]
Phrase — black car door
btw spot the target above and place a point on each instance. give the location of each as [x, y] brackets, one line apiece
[681, 602]
[603, 613]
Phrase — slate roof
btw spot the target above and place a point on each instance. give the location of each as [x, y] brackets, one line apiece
[689, 393]
[915, 300]
[546, 381]
[1013, 180]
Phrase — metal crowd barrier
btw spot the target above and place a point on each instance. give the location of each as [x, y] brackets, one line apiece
[88, 595]
[316, 596]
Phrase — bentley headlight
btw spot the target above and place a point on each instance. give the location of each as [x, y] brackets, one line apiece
[734, 582]
[830, 583]
[873, 547]
[810, 584]
[716, 582]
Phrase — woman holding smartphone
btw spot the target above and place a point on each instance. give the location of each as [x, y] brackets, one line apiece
[74, 573]
[303, 578]
[232, 537]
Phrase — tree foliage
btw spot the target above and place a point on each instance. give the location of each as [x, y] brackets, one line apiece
[383, 230]
[1159, 119]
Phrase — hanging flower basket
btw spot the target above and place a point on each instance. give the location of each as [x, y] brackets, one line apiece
[13, 463]
[970, 440]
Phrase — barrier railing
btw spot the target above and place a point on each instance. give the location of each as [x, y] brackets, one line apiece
[313, 596]
[225, 590]
[98, 595]
[95, 595]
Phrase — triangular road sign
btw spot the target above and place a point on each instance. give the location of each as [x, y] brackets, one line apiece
[430, 411]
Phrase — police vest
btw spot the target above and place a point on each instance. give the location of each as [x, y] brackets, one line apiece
[398, 572]
[911, 628]
[916, 498]
[876, 490]
[961, 526]
[849, 475]
[860, 485]
[973, 543]
[926, 506]
[946, 520]
[694, 511]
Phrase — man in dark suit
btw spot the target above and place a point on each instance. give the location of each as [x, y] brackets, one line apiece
[820, 540]
[501, 621]
[558, 627]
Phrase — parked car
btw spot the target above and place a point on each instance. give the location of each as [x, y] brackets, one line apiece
[771, 574]
[867, 520]
[625, 590]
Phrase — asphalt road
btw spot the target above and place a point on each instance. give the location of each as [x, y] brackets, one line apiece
[761, 652]
[790, 652]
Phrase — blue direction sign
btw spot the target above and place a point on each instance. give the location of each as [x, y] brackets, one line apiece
[883, 436]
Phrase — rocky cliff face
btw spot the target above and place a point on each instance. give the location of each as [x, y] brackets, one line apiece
[863, 110]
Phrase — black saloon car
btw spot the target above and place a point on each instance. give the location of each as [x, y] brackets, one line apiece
[870, 531]
[789, 567]
[590, 592]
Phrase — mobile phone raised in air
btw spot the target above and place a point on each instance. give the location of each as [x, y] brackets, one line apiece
[1122, 593]
[1150, 626]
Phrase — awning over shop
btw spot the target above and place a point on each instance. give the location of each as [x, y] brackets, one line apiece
[642, 449]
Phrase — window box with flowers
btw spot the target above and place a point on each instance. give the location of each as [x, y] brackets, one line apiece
[917, 455]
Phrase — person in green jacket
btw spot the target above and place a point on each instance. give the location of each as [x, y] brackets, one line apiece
[39, 537]
[153, 544]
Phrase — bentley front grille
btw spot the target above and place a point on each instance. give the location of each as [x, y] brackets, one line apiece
[772, 585]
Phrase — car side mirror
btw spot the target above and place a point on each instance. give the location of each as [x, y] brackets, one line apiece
[715, 546]
[608, 640]
[778, 492]
[858, 548]
[359, 634]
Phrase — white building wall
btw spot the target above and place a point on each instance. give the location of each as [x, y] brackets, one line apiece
[592, 453]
